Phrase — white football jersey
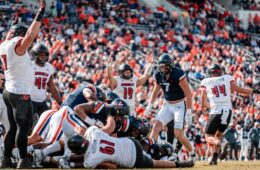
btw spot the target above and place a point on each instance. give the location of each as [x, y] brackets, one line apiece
[218, 90]
[126, 90]
[18, 69]
[41, 78]
[104, 148]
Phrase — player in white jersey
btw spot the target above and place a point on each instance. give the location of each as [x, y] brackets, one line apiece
[43, 79]
[103, 151]
[19, 81]
[217, 89]
[126, 83]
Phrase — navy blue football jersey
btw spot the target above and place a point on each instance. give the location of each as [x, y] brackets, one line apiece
[77, 97]
[172, 90]
[99, 115]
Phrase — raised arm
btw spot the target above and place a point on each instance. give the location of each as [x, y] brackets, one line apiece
[145, 76]
[111, 78]
[32, 32]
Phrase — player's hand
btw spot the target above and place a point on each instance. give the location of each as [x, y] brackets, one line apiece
[42, 5]
[41, 11]
[188, 117]
[148, 110]
[110, 59]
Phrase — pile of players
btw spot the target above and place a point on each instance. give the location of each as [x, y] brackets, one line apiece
[93, 129]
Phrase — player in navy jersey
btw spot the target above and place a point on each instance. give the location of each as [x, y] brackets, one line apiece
[83, 94]
[178, 100]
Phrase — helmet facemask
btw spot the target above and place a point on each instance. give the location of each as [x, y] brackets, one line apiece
[42, 58]
[165, 69]
[127, 74]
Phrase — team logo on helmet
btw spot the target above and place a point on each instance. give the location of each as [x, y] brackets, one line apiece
[111, 96]
[119, 107]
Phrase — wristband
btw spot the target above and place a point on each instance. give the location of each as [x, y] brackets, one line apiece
[41, 11]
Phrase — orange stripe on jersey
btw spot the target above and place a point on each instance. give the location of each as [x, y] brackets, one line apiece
[92, 88]
[70, 121]
[150, 140]
[98, 106]
[59, 127]
[45, 119]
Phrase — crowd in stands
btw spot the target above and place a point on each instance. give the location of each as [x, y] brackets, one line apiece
[81, 36]
[247, 4]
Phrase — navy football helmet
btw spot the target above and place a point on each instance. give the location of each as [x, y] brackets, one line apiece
[111, 96]
[165, 64]
[141, 128]
[100, 94]
[166, 149]
[119, 107]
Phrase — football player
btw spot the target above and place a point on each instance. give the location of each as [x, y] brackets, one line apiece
[103, 151]
[19, 80]
[43, 76]
[126, 83]
[178, 101]
[217, 89]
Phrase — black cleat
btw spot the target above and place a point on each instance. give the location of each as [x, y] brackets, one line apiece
[24, 163]
[213, 162]
[6, 163]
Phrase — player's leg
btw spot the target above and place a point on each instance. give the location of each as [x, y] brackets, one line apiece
[9, 140]
[163, 117]
[22, 109]
[179, 110]
[246, 151]
[170, 132]
[70, 126]
[212, 127]
[41, 129]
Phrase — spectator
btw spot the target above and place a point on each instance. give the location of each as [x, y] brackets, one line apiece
[255, 137]
[231, 136]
